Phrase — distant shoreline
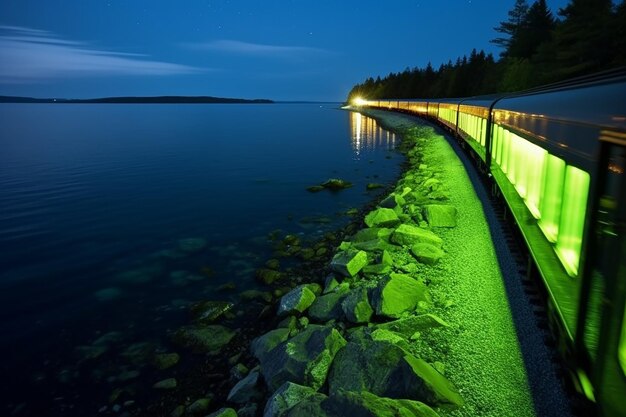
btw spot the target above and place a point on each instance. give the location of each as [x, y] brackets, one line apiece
[137, 100]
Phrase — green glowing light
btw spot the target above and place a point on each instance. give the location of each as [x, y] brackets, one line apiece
[574, 207]
[621, 350]
[550, 206]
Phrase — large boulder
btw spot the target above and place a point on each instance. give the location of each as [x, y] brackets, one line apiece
[426, 253]
[407, 235]
[349, 262]
[303, 359]
[366, 404]
[296, 301]
[263, 344]
[397, 294]
[387, 370]
[328, 306]
[356, 306]
[286, 397]
[440, 215]
[204, 339]
[382, 217]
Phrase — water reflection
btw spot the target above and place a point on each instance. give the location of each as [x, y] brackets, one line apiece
[366, 134]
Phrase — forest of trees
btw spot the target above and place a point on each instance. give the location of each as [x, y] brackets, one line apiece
[537, 48]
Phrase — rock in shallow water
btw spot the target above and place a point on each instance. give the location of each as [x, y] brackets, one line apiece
[206, 339]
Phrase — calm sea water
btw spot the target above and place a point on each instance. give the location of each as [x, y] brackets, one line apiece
[94, 200]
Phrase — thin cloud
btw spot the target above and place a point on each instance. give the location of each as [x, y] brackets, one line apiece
[248, 48]
[30, 55]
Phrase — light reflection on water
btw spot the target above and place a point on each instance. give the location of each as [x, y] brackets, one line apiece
[366, 134]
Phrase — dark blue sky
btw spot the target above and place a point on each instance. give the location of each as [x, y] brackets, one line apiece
[282, 50]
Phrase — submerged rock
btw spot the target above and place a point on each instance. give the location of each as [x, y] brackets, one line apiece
[296, 301]
[169, 383]
[440, 215]
[206, 339]
[191, 245]
[397, 294]
[268, 276]
[224, 412]
[163, 361]
[335, 184]
[349, 262]
[374, 186]
[407, 235]
[303, 359]
[382, 217]
[209, 311]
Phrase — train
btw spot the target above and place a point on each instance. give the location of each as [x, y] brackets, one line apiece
[555, 156]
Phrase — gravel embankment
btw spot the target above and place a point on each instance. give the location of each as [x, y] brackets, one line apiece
[495, 353]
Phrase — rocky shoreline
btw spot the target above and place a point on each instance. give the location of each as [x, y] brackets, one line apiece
[357, 340]
[401, 313]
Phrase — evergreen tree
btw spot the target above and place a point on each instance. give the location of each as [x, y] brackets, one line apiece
[535, 29]
[512, 26]
[583, 41]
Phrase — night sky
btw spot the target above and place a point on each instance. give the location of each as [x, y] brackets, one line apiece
[281, 50]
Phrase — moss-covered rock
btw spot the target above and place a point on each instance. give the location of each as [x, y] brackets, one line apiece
[382, 217]
[303, 359]
[336, 184]
[366, 404]
[328, 306]
[286, 397]
[296, 301]
[263, 344]
[440, 215]
[407, 235]
[356, 306]
[397, 294]
[349, 262]
[426, 253]
[384, 369]
[392, 201]
[372, 233]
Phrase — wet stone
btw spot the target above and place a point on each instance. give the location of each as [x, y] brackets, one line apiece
[349, 262]
[296, 301]
[397, 294]
[382, 217]
[407, 235]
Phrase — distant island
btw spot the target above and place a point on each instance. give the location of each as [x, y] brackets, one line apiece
[129, 100]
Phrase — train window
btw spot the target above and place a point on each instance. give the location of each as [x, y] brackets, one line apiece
[572, 220]
[551, 199]
[535, 163]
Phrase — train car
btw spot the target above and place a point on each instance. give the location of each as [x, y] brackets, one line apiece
[557, 156]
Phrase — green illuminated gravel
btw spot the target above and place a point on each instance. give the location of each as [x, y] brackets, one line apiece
[480, 352]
